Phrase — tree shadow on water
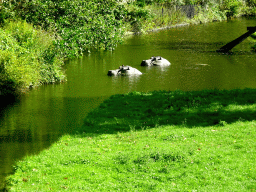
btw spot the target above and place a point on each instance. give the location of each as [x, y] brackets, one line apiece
[7, 101]
[138, 111]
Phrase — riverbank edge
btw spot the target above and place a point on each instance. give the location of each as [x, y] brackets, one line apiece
[129, 129]
[130, 33]
[201, 17]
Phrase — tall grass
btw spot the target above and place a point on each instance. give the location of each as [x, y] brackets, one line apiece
[27, 58]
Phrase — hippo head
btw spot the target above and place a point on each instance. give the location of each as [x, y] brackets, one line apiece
[124, 70]
[113, 72]
[158, 60]
[147, 62]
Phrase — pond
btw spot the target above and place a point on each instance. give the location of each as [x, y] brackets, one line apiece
[41, 117]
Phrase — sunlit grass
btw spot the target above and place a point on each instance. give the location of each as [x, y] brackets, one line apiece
[127, 144]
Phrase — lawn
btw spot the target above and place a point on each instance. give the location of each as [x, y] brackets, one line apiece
[156, 141]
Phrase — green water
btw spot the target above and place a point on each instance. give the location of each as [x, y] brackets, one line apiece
[41, 117]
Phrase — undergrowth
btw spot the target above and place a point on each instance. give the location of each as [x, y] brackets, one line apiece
[28, 58]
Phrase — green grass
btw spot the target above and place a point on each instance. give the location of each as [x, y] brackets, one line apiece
[158, 141]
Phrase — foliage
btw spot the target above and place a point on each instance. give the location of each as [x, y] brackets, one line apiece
[231, 7]
[6, 11]
[251, 3]
[250, 8]
[213, 14]
[27, 57]
[162, 13]
[80, 24]
[136, 16]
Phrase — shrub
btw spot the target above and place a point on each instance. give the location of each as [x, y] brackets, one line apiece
[251, 3]
[80, 24]
[27, 58]
[231, 7]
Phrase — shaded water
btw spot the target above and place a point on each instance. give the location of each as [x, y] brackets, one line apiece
[38, 119]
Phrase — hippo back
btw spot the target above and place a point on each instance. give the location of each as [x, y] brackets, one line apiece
[161, 62]
[131, 71]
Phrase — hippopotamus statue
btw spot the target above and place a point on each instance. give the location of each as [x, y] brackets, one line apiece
[158, 61]
[124, 70]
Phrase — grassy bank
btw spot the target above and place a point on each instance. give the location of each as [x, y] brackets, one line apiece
[157, 141]
[28, 58]
[148, 14]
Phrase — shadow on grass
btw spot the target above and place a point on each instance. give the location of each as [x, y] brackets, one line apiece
[136, 111]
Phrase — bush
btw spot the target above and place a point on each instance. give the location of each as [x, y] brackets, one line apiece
[27, 58]
[80, 24]
[231, 7]
[251, 3]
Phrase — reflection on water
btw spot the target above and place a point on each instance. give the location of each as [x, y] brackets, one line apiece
[124, 83]
[17, 135]
[40, 118]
